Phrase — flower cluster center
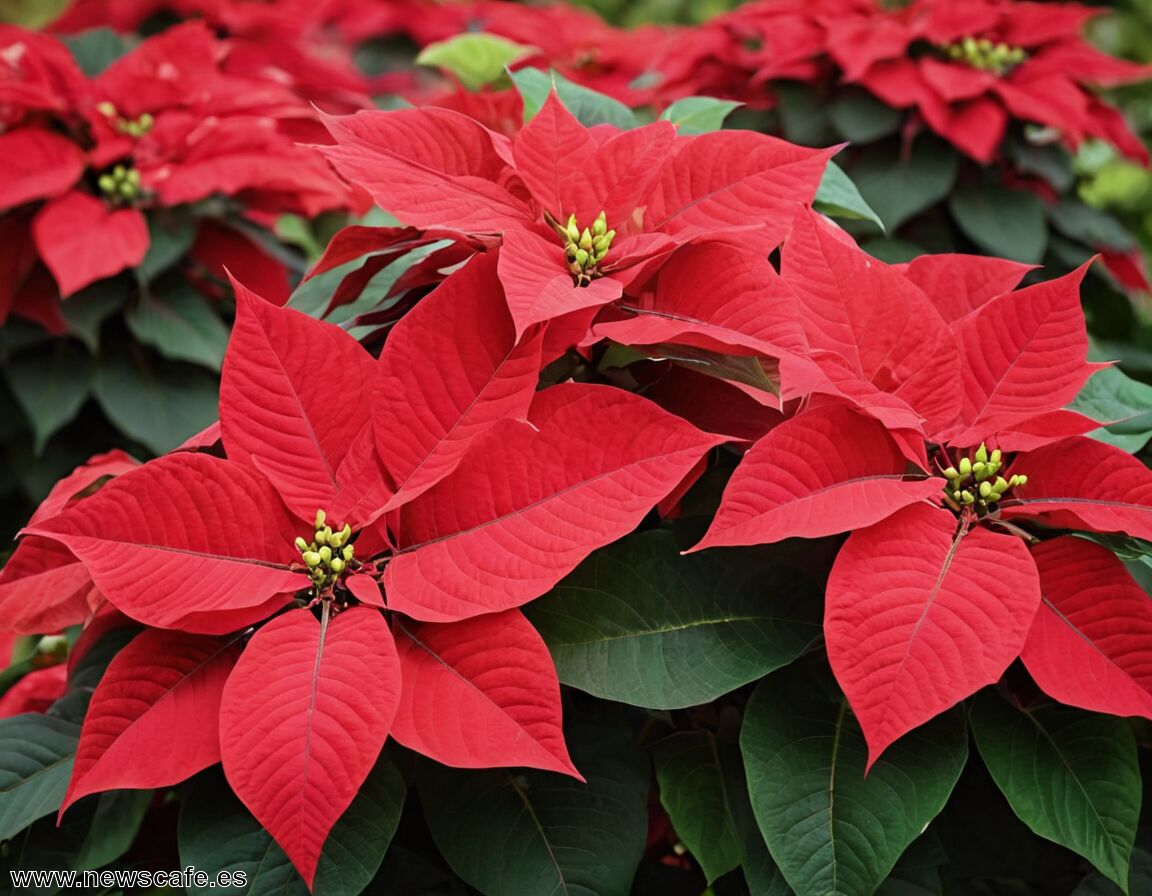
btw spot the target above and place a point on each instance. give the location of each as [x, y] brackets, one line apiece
[130, 127]
[981, 53]
[328, 555]
[120, 185]
[585, 250]
[976, 481]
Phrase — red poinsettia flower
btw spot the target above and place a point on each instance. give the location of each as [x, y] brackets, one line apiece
[379, 526]
[945, 579]
[581, 213]
[162, 126]
[968, 67]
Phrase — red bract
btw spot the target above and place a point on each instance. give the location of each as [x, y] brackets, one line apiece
[163, 126]
[938, 589]
[362, 548]
[582, 213]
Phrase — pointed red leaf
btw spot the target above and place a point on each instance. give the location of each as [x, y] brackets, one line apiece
[1044, 429]
[154, 719]
[1091, 642]
[959, 284]
[39, 164]
[918, 618]
[304, 716]
[366, 590]
[480, 693]
[728, 180]
[1084, 484]
[429, 167]
[569, 172]
[463, 331]
[538, 285]
[552, 154]
[1024, 353]
[184, 534]
[43, 588]
[290, 400]
[826, 471]
[901, 344]
[526, 505]
[81, 240]
[85, 478]
[749, 305]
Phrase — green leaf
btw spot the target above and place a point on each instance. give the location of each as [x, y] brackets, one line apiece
[1071, 776]
[513, 834]
[698, 114]
[839, 197]
[158, 405]
[1139, 879]
[589, 107]
[86, 311]
[476, 59]
[181, 325]
[51, 387]
[830, 829]
[803, 115]
[900, 188]
[217, 833]
[1110, 395]
[693, 793]
[633, 621]
[36, 756]
[170, 236]
[1089, 225]
[96, 49]
[862, 118]
[1003, 221]
[114, 825]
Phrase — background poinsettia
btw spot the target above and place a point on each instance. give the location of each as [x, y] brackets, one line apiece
[718, 542]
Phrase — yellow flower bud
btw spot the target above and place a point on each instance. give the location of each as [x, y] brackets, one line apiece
[969, 498]
[982, 454]
[337, 565]
[586, 240]
[311, 558]
[321, 516]
[965, 466]
[349, 552]
[301, 544]
[600, 225]
[573, 229]
[582, 258]
[985, 489]
[107, 183]
[325, 553]
[322, 536]
[951, 473]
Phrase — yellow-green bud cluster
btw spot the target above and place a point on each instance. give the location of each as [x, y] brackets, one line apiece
[328, 554]
[976, 481]
[121, 184]
[985, 55]
[131, 127]
[586, 249]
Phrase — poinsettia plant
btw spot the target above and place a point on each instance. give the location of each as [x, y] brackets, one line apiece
[608, 522]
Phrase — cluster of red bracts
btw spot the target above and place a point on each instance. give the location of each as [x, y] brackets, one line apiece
[88, 161]
[466, 492]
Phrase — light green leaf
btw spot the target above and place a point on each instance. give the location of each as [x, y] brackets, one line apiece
[96, 49]
[839, 197]
[1092, 226]
[633, 621]
[833, 831]
[1110, 395]
[51, 386]
[158, 405]
[509, 833]
[36, 756]
[1003, 221]
[476, 59]
[589, 107]
[899, 189]
[216, 832]
[693, 793]
[698, 114]
[1071, 776]
[181, 325]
